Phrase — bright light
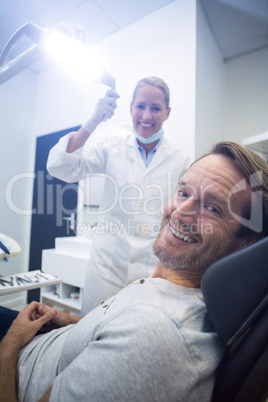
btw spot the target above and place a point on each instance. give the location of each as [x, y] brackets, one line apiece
[72, 55]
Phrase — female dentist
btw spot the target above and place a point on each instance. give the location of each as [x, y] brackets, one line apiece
[141, 169]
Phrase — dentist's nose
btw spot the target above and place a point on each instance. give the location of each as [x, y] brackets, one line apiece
[147, 113]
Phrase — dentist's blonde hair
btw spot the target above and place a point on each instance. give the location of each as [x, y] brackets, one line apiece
[156, 82]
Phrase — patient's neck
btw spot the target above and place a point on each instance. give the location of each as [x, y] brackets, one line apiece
[174, 276]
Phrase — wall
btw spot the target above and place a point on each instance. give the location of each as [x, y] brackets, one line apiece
[210, 83]
[232, 96]
[17, 97]
[246, 102]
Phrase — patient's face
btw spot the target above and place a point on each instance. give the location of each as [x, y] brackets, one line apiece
[200, 222]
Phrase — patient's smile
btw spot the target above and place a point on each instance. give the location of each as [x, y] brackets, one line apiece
[181, 236]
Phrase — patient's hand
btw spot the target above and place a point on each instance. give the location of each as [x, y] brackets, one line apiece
[23, 328]
[61, 319]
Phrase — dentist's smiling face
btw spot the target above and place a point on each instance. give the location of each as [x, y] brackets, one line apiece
[148, 110]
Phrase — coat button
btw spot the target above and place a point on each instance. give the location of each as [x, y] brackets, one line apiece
[142, 281]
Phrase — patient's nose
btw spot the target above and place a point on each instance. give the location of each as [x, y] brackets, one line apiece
[186, 208]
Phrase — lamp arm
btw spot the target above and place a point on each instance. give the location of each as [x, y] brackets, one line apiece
[29, 29]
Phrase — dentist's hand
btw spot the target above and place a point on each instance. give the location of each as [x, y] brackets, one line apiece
[104, 110]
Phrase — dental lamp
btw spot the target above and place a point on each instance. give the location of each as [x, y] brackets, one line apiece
[64, 35]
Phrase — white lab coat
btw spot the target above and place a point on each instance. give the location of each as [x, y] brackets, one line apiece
[131, 209]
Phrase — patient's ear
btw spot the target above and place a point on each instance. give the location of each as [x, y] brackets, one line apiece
[250, 238]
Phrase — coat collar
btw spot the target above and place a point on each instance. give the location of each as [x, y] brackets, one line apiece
[134, 153]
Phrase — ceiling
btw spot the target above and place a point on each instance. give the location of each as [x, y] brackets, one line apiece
[98, 18]
[239, 26]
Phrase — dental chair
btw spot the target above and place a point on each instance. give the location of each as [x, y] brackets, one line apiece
[235, 289]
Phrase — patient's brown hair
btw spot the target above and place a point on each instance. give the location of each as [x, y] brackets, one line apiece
[253, 167]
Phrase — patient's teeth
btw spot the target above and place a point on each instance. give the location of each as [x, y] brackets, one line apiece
[181, 236]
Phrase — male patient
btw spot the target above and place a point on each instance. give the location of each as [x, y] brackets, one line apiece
[153, 340]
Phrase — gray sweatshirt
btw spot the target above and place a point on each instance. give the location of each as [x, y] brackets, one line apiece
[150, 342]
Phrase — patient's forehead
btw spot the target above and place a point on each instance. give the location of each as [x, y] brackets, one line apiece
[218, 174]
[216, 168]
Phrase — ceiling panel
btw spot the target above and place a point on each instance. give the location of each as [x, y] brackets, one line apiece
[126, 12]
[97, 25]
[47, 12]
[11, 18]
[239, 26]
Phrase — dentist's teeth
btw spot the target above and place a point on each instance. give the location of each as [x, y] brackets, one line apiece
[180, 235]
[146, 125]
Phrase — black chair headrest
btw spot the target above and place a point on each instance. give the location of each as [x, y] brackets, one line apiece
[235, 290]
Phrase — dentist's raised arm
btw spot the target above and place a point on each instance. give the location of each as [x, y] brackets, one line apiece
[103, 111]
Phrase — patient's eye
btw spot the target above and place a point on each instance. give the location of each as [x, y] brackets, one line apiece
[213, 209]
[182, 194]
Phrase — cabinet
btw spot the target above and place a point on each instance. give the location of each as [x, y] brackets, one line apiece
[68, 260]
